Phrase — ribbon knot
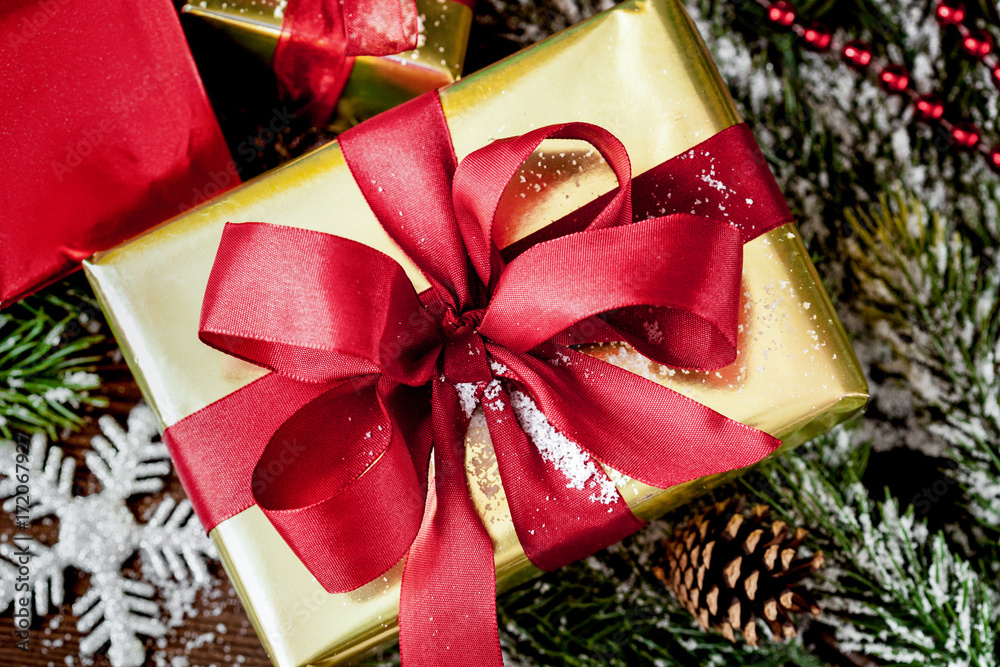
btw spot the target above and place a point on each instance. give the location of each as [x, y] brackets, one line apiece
[465, 357]
[363, 356]
[454, 324]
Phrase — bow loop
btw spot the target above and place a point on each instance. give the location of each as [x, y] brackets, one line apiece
[422, 226]
[313, 340]
[482, 177]
[342, 463]
[687, 283]
[688, 280]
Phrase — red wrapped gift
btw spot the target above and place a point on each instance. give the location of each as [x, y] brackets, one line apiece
[107, 129]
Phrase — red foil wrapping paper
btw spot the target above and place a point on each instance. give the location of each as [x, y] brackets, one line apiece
[107, 132]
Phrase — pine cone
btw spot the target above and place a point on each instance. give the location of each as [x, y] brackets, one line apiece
[726, 568]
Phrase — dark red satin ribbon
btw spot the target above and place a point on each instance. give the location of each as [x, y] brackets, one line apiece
[334, 445]
[320, 39]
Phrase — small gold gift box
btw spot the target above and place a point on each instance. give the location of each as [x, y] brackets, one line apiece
[376, 83]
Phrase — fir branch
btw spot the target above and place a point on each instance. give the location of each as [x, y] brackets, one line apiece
[46, 373]
[922, 288]
[610, 610]
[894, 591]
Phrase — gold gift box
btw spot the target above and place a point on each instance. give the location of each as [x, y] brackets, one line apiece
[641, 71]
[376, 83]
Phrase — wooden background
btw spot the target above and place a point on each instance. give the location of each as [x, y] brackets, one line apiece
[217, 634]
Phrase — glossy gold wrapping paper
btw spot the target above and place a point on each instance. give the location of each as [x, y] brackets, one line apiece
[641, 71]
[376, 83]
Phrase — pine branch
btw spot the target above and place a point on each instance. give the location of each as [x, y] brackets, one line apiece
[896, 592]
[47, 363]
[831, 135]
[610, 610]
[922, 288]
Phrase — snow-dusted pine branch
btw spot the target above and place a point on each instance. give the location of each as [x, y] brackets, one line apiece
[892, 591]
[923, 290]
[46, 362]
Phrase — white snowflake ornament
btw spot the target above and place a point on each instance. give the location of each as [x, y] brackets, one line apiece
[98, 533]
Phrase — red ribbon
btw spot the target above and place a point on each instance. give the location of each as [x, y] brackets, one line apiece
[369, 376]
[320, 39]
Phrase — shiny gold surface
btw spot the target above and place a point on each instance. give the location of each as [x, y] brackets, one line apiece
[795, 376]
[376, 83]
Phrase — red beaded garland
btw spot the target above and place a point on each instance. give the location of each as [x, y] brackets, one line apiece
[950, 13]
[965, 135]
[781, 13]
[929, 107]
[816, 37]
[894, 78]
[857, 53]
[978, 43]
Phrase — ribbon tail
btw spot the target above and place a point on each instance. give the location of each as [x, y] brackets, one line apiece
[447, 607]
[664, 440]
[563, 505]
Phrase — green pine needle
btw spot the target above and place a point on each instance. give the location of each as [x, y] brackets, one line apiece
[893, 591]
[46, 373]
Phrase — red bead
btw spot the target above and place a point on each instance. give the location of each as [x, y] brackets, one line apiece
[817, 37]
[994, 158]
[965, 135]
[858, 54]
[894, 78]
[781, 13]
[950, 13]
[978, 43]
[996, 76]
[930, 108]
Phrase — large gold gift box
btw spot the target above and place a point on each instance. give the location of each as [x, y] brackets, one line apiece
[376, 83]
[639, 70]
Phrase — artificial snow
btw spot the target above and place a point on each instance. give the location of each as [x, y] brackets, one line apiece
[568, 457]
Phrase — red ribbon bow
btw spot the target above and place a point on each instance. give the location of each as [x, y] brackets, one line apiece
[377, 376]
[320, 38]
